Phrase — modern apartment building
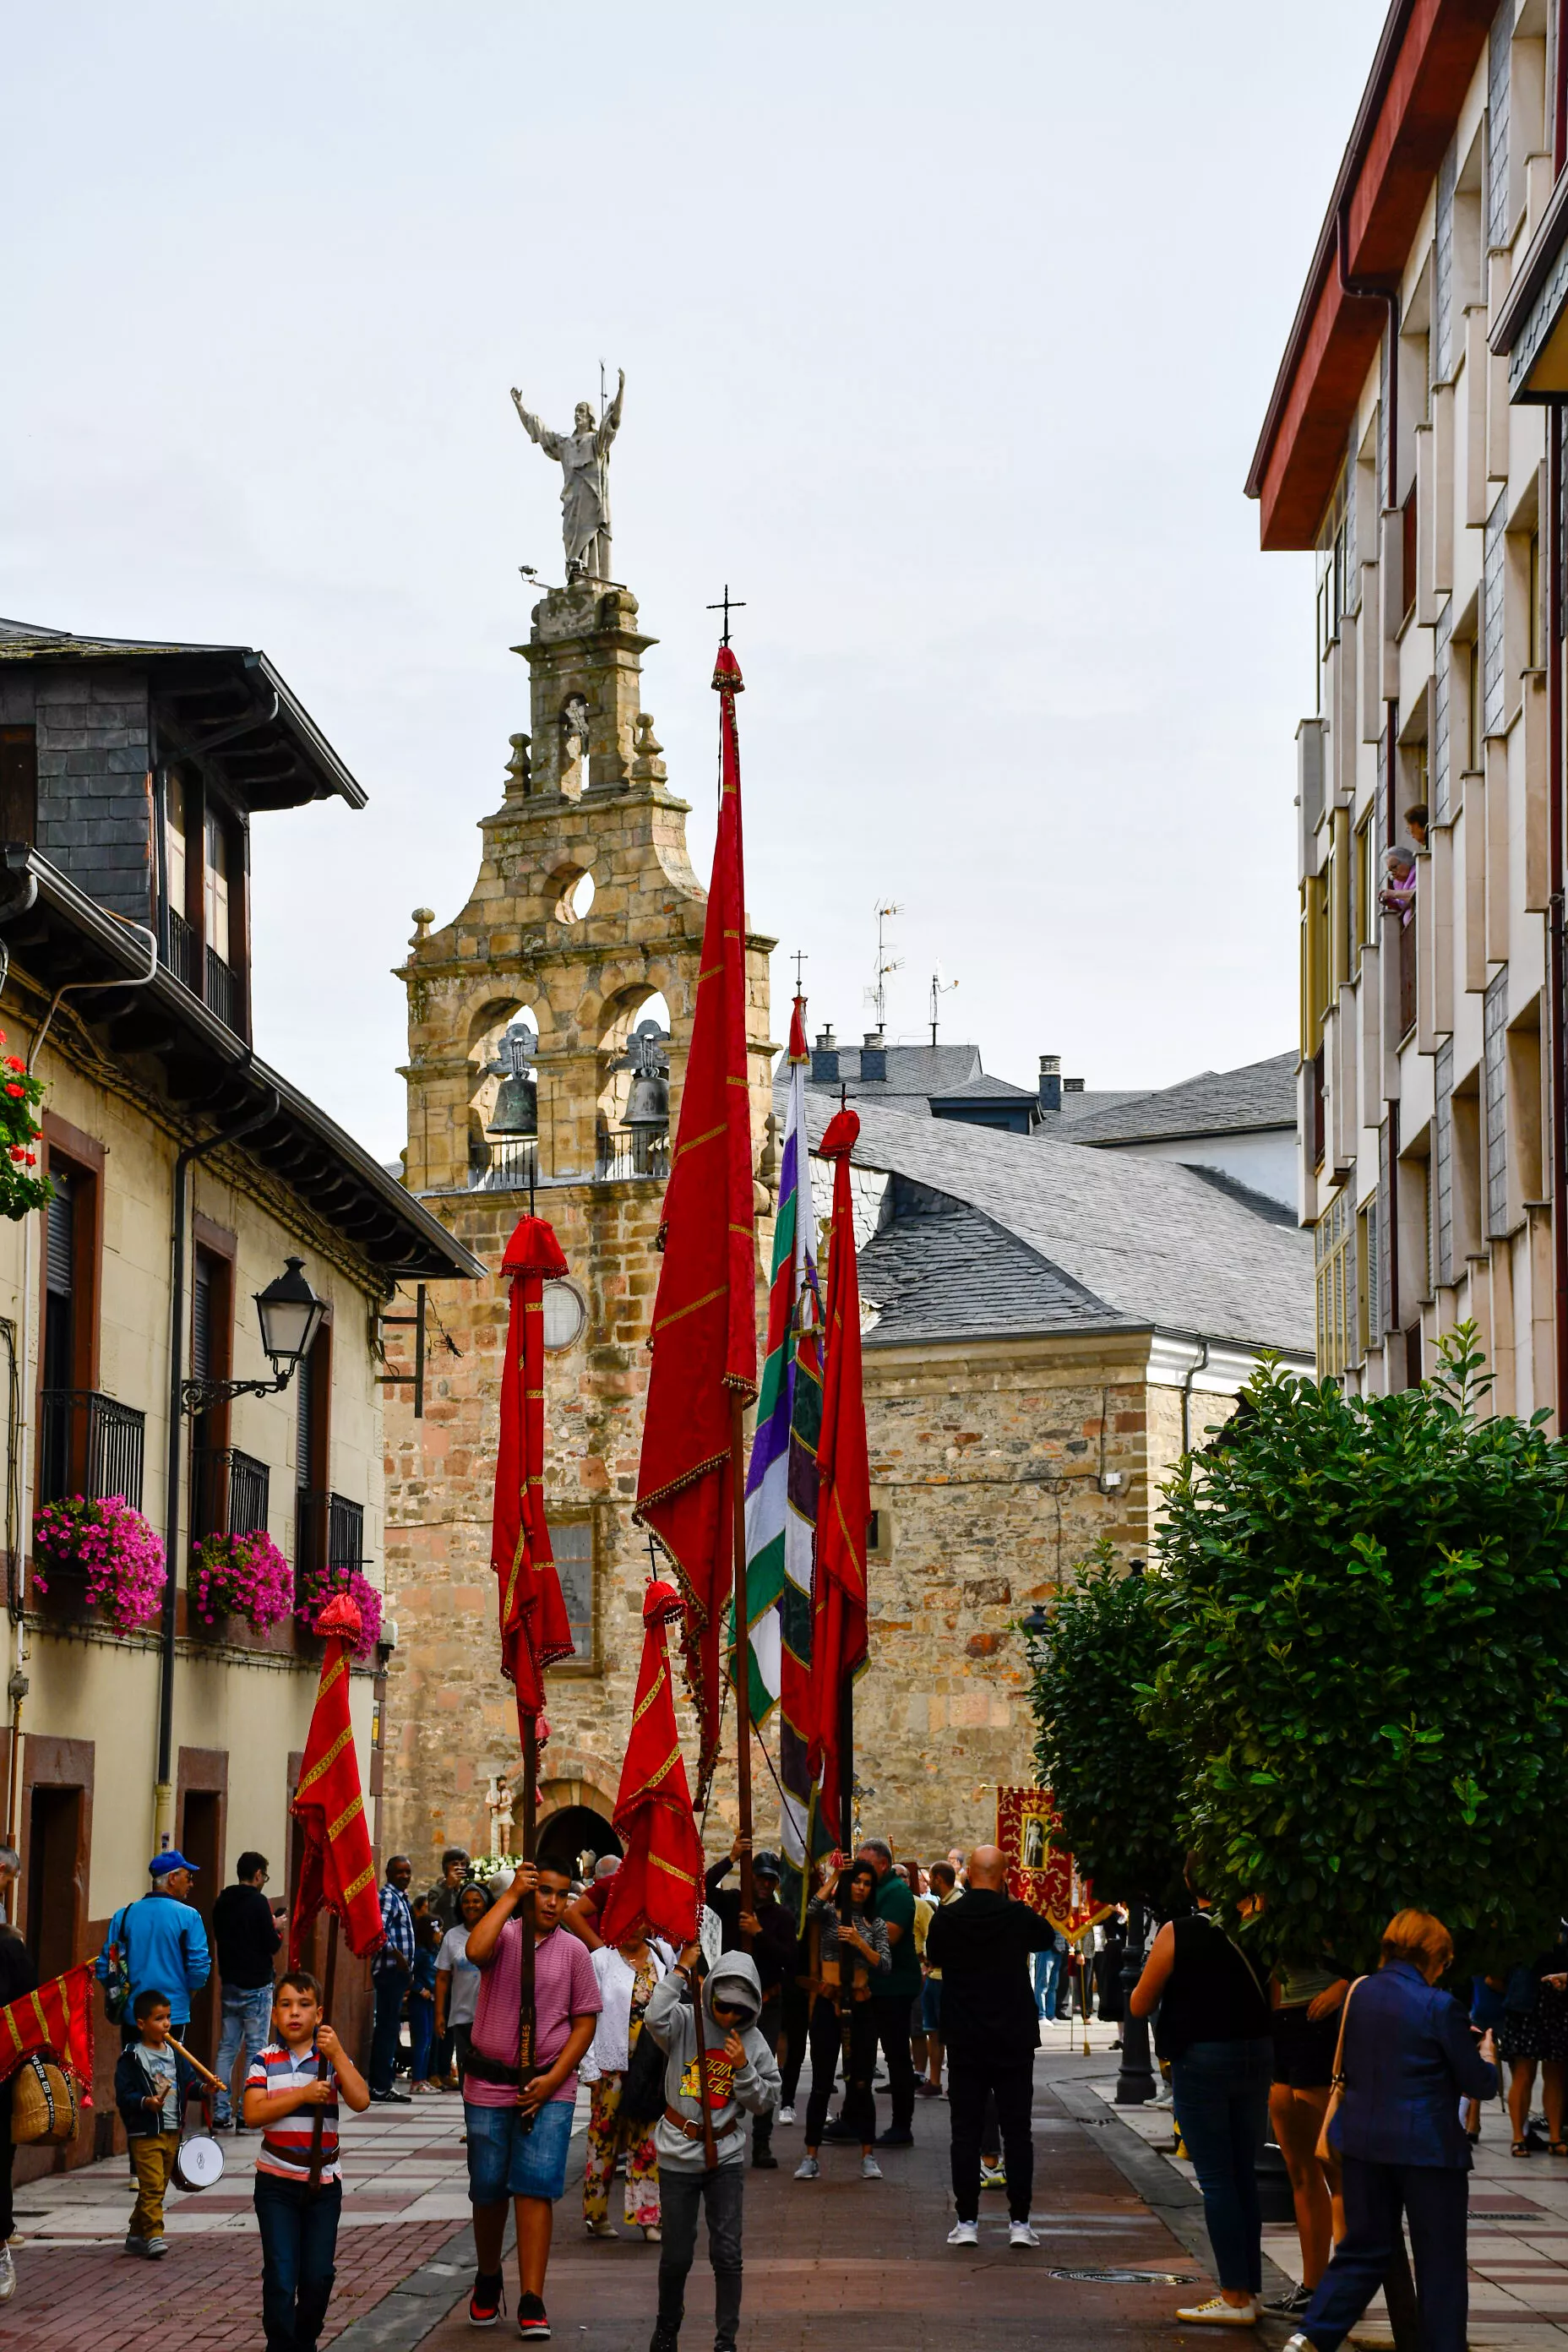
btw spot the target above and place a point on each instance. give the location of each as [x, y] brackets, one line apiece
[1414, 441]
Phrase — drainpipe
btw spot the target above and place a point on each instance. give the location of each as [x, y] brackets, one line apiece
[1199, 1364]
[1558, 946]
[164, 1794]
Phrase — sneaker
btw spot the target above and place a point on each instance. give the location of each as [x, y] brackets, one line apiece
[531, 2324]
[808, 2168]
[1299, 2343]
[785, 2115]
[16, 2240]
[7, 2275]
[1292, 2306]
[892, 2137]
[993, 2175]
[666, 2336]
[764, 2160]
[600, 2229]
[870, 2168]
[1217, 2313]
[488, 2300]
[135, 2245]
[652, 2233]
[155, 2248]
[1020, 2234]
[927, 2090]
[964, 2233]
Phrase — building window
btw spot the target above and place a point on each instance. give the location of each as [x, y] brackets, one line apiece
[1335, 1238]
[1494, 681]
[1441, 796]
[572, 1541]
[1494, 1071]
[312, 1438]
[1498, 44]
[1537, 658]
[1366, 1278]
[1448, 173]
[204, 868]
[1442, 1164]
[1365, 895]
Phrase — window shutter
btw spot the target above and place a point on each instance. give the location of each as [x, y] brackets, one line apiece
[61, 1250]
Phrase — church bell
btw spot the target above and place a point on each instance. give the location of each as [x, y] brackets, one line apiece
[517, 1107]
[647, 1097]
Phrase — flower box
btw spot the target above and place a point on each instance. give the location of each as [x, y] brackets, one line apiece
[101, 1557]
[243, 1576]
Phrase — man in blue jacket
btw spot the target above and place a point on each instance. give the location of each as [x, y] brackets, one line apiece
[163, 1941]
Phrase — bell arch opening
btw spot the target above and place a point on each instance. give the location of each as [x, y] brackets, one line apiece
[634, 1086]
[503, 1095]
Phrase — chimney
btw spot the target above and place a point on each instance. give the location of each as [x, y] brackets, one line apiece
[874, 1057]
[825, 1058]
[826, 1040]
[1050, 1082]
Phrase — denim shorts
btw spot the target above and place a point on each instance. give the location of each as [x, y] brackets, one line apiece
[931, 2004]
[506, 2161]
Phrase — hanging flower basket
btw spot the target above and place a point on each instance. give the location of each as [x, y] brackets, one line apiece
[106, 1554]
[242, 1576]
[20, 1096]
[317, 1589]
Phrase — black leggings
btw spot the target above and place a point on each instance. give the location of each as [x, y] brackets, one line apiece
[859, 2110]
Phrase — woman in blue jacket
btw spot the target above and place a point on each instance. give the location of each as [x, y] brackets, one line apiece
[1407, 2058]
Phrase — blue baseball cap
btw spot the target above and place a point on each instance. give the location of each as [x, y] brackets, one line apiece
[161, 1864]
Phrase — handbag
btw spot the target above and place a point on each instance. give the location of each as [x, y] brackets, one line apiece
[1325, 2152]
[117, 1971]
[642, 2085]
[43, 2105]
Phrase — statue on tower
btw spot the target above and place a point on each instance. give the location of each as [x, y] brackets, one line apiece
[583, 455]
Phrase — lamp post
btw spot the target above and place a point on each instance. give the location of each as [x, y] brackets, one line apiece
[290, 1314]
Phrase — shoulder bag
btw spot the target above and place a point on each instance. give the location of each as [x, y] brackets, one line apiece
[117, 1978]
[1325, 2152]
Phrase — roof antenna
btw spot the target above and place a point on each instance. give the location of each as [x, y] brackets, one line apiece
[887, 961]
[939, 989]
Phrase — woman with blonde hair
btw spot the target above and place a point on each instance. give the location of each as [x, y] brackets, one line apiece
[1406, 2058]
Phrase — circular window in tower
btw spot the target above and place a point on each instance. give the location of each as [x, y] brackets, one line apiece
[565, 1315]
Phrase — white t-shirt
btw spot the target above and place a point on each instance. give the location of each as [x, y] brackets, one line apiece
[464, 1990]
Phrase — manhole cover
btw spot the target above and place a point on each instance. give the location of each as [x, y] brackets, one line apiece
[1129, 2278]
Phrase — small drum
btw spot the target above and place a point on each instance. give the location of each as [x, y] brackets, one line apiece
[198, 2162]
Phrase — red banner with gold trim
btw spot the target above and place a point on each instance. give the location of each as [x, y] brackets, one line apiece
[58, 2018]
[338, 1868]
[1041, 1870]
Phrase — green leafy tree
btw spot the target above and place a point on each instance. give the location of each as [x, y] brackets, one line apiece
[1115, 1781]
[1365, 1612]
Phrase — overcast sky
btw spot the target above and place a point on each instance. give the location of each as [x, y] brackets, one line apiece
[947, 335]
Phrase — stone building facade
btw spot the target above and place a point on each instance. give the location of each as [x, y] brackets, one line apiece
[1033, 1312]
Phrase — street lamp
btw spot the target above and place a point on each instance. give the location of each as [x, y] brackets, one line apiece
[290, 1314]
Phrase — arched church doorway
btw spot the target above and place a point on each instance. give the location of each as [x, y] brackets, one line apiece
[575, 1832]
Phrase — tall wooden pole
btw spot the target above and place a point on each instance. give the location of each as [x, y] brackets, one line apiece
[318, 2120]
[742, 1648]
[845, 1823]
[528, 2022]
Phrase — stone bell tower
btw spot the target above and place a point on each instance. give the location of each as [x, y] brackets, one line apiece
[584, 912]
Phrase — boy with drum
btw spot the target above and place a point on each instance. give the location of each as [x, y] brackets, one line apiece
[293, 2086]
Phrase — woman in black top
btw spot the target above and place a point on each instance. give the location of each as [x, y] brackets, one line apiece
[1214, 2029]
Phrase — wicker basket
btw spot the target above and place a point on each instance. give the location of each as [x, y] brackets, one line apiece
[43, 2104]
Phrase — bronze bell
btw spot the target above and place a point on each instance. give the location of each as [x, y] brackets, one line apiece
[647, 1098]
[517, 1105]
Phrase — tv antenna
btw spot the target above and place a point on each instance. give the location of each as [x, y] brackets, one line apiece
[939, 989]
[887, 961]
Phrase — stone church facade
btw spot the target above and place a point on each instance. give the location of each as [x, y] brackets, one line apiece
[1020, 1403]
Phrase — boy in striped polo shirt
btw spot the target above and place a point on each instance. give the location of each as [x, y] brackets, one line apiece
[287, 2087]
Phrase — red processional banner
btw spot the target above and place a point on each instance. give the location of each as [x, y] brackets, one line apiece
[56, 2018]
[1041, 1870]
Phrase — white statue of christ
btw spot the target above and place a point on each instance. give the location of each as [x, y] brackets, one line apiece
[583, 455]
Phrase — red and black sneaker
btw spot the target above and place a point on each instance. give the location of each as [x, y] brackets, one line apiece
[488, 2300]
[531, 2324]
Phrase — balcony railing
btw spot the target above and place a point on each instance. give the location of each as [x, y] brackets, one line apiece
[230, 1492]
[509, 1166]
[512, 1164]
[342, 1524]
[223, 990]
[88, 1445]
[205, 972]
[183, 950]
[628, 1154]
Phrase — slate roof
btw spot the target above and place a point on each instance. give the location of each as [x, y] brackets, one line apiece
[915, 1073]
[1147, 1242]
[941, 1270]
[1260, 1095]
[987, 1089]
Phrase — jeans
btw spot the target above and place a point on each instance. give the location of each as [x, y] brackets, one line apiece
[891, 2012]
[391, 1984]
[859, 2110]
[971, 2081]
[299, 2228]
[682, 2192]
[1221, 2097]
[1047, 1968]
[247, 2026]
[421, 2033]
[1434, 2199]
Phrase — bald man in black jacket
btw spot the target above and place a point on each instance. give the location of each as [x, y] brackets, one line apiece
[983, 1944]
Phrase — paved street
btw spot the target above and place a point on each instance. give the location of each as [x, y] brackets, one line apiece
[840, 2255]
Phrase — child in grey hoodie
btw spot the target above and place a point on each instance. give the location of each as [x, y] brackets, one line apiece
[742, 2075]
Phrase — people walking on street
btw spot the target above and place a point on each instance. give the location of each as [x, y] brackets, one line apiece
[767, 1932]
[743, 2077]
[796, 2010]
[294, 2081]
[1214, 2029]
[441, 1900]
[248, 1936]
[391, 1974]
[983, 1944]
[457, 1979]
[627, 1973]
[943, 1884]
[422, 2005]
[17, 1977]
[848, 1956]
[1047, 1972]
[1534, 2031]
[163, 1943]
[152, 2083]
[1406, 2059]
[519, 2138]
[895, 1992]
[1308, 1999]
[587, 1907]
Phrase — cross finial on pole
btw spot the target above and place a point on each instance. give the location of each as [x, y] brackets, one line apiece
[799, 958]
[731, 603]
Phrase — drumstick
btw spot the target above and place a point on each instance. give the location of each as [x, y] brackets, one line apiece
[206, 2074]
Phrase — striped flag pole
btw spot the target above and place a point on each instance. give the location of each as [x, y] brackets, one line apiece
[781, 1482]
